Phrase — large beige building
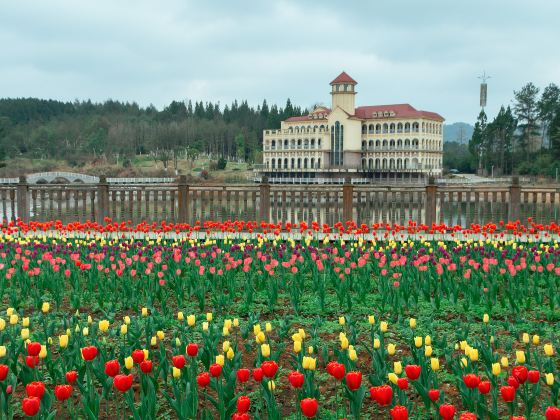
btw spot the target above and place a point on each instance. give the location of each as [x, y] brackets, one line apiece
[365, 142]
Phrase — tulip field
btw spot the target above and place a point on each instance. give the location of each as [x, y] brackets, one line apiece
[248, 321]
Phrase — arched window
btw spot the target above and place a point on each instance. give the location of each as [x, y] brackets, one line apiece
[384, 144]
[407, 127]
[299, 163]
[399, 128]
[285, 163]
[384, 164]
[337, 144]
[305, 162]
[306, 143]
[385, 128]
[273, 143]
[371, 129]
[370, 163]
[293, 144]
[371, 144]
[392, 128]
[318, 163]
[364, 163]
[313, 143]
[399, 144]
[312, 163]
[364, 129]
[392, 144]
[273, 163]
[392, 164]
[406, 163]
[293, 163]
[415, 127]
[406, 143]
[286, 143]
[378, 129]
[299, 143]
[364, 145]
[377, 163]
[377, 144]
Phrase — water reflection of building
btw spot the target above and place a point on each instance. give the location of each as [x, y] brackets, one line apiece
[365, 142]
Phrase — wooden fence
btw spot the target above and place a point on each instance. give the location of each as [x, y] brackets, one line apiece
[180, 202]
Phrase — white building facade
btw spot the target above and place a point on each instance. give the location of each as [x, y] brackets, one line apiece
[366, 142]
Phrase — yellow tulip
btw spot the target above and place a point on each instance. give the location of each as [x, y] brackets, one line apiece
[45, 307]
[268, 327]
[225, 346]
[220, 359]
[2, 324]
[146, 354]
[2, 351]
[309, 363]
[265, 350]
[271, 386]
[526, 338]
[486, 318]
[225, 331]
[180, 316]
[177, 342]
[520, 356]
[89, 319]
[260, 337]
[428, 351]
[310, 350]
[418, 342]
[341, 320]
[103, 325]
[227, 324]
[397, 367]
[392, 377]
[13, 319]
[235, 322]
[434, 363]
[296, 337]
[160, 334]
[176, 372]
[256, 329]
[10, 311]
[536, 340]
[230, 353]
[463, 344]
[191, 320]
[549, 378]
[63, 341]
[412, 323]
[209, 316]
[85, 331]
[464, 362]
[301, 332]
[205, 326]
[376, 343]
[391, 349]
[428, 340]
[25, 322]
[43, 352]
[124, 329]
[504, 362]
[126, 320]
[496, 369]
[297, 346]
[153, 341]
[128, 362]
[548, 349]
[371, 319]
[144, 311]
[383, 326]
[473, 355]
[24, 333]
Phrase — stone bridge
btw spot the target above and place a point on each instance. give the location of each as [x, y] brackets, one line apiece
[61, 178]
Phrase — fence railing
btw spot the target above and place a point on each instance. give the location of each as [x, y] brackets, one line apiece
[180, 202]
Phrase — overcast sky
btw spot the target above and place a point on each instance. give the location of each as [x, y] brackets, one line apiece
[427, 53]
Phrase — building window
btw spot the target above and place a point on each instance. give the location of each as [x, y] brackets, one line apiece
[337, 144]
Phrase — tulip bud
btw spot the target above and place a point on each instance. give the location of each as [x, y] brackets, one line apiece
[428, 340]
[418, 342]
[144, 311]
[271, 386]
[463, 344]
[383, 326]
[397, 367]
[504, 362]
[45, 307]
[89, 319]
[24, 333]
[146, 354]
[520, 356]
[191, 320]
[209, 316]
[310, 349]
[392, 377]
[13, 319]
[124, 329]
[473, 355]
[128, 362]
[297, 346]
[412, 323]
[352, 355]
[43, 352]
[227, 323]
[548, 349]
[153, 341]
[63, 341]
[486, 318]
[376, 343]
[391, 349]
[177, 342]
[434, 363]
[25, 322]
[496, 369]
[205, 326]
[536, 340]
[2, 324]
[265, 350]
[464, 362]
[220, 359]
[260, 337]
[160, 335]
[176, 372]
[301, 332]
[10, 311]
[230, 353]
[428, 351]
[180, 316]
[235, 322]
[341, 320]
[371, 319]
[526, 338]
[549, 377]
[126, 320]
[256, 329]
[2, 351]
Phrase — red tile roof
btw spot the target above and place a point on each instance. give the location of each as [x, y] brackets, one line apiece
[344, 78]
[400, 110]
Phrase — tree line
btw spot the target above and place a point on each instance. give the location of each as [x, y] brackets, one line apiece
[83, 131]
[523, 138]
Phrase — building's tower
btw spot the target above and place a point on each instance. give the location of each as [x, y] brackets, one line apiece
[343, 92]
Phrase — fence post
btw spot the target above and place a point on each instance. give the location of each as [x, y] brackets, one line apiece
[431, 202]
[22, 199]
[102, 200]
[514, 199]
[264, 211]
[183, 197]
[347, 199]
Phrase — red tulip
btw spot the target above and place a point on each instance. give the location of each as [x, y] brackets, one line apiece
[513, 382]
[215, 370]
[258, 374]
[520, 373]
[296, 379]
[413, 371]
[3, 372]
[471, 380]
[309, 407]
[399, 412]
[138, 356]
[484, 387]
[534, 376]
[433, 394]
[33, 349]
[240, 416]
[35, 389]
[192, 349]
[552, 413]
[447, 411]
[71, 376]
[112, 368]
[146, 366]
[31, 361]
[203, 379]
[243, 404]
[62, 392]
[353, 380]
[269, 368]
[402, 383]
[30, 406]
[517, 418]
[508, 393]
[179, 361]
[243, 375]
[89, 353]
[468, 416]
[383, 394]
[336, 370]
[123, 382]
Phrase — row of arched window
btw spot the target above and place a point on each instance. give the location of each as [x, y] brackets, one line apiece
[406, 163]
[424, 144]
[415, 127]
[293, 144]
[293, 163]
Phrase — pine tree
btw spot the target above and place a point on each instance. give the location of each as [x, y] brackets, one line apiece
[527, 114]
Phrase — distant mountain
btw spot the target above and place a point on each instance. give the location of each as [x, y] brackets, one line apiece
[460, 132]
